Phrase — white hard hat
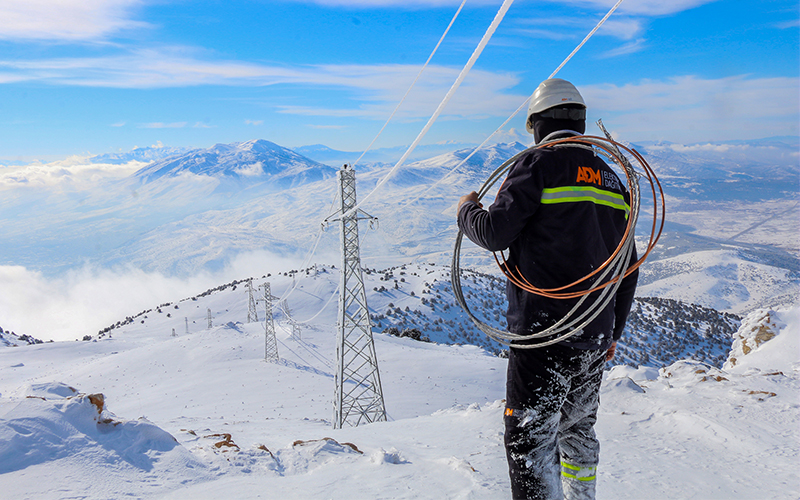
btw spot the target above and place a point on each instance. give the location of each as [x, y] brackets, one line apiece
[551, 93]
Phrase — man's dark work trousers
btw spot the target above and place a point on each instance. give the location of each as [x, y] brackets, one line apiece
[552, 400]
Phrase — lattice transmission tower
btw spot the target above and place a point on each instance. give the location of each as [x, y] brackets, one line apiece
[359, 397]
[252, 315]
[270, 342]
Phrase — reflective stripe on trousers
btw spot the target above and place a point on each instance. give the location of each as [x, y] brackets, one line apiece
[578, 473]
[578, 482]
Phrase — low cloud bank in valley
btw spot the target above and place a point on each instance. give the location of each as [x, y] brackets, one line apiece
[85, 300]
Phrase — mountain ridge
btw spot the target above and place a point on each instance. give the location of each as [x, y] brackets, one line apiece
[254, 160]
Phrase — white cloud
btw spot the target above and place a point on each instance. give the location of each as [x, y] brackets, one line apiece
[628, 48]
[71, 20]
[252, 170]
[84, 301]
[74, 172]
[623, 28]
[254, 122]
[691, 109]
[482, 94]
[380, 86]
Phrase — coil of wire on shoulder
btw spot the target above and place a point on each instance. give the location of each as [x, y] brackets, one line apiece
[606, 278]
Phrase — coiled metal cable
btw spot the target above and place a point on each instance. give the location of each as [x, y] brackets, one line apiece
[607, 278]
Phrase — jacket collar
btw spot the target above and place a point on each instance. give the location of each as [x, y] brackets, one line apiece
[559, 134]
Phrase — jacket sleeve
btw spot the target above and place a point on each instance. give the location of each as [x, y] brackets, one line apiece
[624, 299]
[517, 200]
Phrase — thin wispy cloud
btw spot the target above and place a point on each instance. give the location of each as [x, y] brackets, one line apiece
[628, 48]
[623, 28]
[574, 27]
[640, 7]
[164, 125]
[547, 34]
[789, 24]
[66, 20]
[378, 87]
[482, 94]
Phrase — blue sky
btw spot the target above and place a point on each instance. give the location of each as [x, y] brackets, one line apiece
[97, 76]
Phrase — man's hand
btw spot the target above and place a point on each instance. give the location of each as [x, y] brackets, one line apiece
[473, 196]
[611, 351]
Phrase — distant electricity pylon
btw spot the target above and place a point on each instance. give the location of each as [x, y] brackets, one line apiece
[359, 397]
[295, 330]
[187, 324]
[210, 323]
[252, 315]
[270, 342]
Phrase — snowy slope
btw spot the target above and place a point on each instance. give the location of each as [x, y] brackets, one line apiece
[244, 428]
[725, 280]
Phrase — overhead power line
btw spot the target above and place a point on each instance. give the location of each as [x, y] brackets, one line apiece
[471, 62]
[520, 108]
[412, 83]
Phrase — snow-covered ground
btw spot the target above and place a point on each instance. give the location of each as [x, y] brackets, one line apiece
[202, 415]
[721, 279]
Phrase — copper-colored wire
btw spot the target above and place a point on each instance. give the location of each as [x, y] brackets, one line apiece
[524, 284]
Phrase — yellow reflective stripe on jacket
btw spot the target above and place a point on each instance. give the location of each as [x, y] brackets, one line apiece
[579, 473]
[572, 194]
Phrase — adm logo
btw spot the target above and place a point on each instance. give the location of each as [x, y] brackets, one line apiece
[598, 177]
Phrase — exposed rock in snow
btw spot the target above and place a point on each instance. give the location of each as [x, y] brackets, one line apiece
[758, 327]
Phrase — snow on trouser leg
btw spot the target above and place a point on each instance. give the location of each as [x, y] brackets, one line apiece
[552, 398]
[579, 447]
[531, 440]
[578, 482]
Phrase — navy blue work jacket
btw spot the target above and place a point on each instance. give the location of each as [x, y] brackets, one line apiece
[561, 212]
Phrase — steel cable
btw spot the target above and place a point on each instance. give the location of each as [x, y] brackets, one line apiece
[607, 277]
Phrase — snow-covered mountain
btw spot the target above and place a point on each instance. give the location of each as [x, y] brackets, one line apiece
[256, 160]
[166, 406]
[54, 229]
[287, 220]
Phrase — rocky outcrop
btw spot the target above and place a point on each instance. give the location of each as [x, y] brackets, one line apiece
[757, 328]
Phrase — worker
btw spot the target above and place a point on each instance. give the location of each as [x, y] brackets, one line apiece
[560, 213]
